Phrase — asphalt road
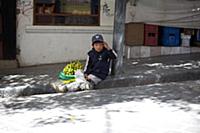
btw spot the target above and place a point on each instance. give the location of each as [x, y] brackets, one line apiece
[156, 108]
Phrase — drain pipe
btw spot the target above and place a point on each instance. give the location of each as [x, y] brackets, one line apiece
[119, 35]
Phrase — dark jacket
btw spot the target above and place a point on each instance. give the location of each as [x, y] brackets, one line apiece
[98, 63]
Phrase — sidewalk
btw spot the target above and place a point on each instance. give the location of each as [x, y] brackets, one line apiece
[157, 108]
[160, 69]
[136, 72]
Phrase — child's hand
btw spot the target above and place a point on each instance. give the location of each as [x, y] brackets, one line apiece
[86, 76]
[106, 46]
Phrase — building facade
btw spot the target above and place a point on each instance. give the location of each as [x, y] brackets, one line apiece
[57, 31]
[48, 43]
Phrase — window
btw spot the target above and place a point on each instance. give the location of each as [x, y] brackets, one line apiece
[67, 12]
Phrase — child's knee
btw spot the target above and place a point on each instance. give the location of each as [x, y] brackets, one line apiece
[94, 79]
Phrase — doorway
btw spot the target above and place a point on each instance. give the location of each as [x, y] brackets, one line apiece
[7, 29]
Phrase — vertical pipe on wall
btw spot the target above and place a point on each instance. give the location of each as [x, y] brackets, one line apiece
[119, 34]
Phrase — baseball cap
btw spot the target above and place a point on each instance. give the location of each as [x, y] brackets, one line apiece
[97, 38]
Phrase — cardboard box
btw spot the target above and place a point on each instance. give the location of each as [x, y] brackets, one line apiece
[134, 34]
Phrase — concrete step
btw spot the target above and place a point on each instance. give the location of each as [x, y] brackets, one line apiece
[8, 64]
[140, 80]
[136, 72]
[147, 51]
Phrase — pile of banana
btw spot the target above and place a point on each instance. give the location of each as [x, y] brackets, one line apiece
[71, 68]
[67, 77]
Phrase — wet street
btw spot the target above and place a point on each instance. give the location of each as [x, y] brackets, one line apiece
[156, 108]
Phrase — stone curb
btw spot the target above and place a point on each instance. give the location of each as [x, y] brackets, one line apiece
[119, 81]
[139, 80]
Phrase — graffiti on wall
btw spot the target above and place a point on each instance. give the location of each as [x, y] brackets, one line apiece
[23, 6]
[106, 9]
[24, 9]
[24, 12]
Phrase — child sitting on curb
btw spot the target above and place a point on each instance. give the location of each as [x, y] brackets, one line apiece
[98, 60]
[96, 68]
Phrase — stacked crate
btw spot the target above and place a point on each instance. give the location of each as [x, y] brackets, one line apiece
[170, 36]
[139, 34]
[196, 38]
[198, 35]
[134, 34]
[187, 37]
[151, 35]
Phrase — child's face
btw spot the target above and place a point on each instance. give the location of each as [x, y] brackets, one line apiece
[98, 46]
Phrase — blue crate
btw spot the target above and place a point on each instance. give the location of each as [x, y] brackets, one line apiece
[170, 36]
[198, 35]
[44, 1]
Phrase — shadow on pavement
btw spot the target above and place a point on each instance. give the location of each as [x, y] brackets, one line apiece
[169, 92]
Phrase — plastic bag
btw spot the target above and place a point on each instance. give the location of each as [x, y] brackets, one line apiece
[78, 84]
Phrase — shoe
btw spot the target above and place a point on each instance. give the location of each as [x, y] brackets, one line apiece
[86, 85]
[61, 88]
[73, 87]
[53, 85]
[58, 86]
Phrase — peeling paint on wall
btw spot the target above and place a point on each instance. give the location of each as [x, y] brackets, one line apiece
[24, 5]
[24, 17]
[24, 8]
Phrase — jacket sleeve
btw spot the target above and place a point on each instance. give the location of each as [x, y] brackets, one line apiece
[88, 66]
[112, 54]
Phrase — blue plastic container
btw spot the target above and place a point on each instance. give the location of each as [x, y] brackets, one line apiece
[198, 35]
[170, 36]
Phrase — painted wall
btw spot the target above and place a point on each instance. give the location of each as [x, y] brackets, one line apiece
[55, 44]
